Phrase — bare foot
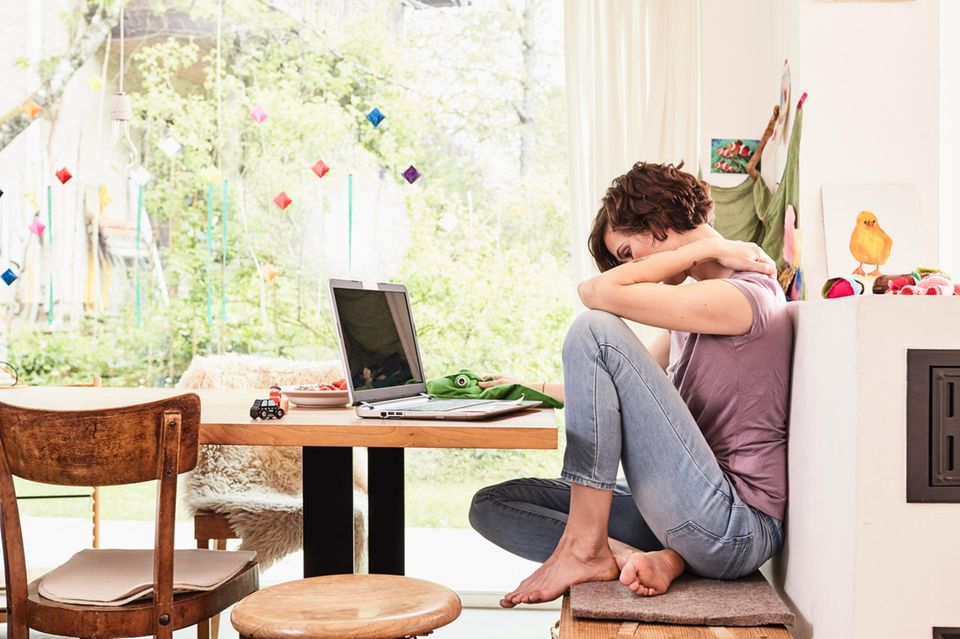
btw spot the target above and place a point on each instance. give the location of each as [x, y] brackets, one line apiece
[651, 573]
[567, 565]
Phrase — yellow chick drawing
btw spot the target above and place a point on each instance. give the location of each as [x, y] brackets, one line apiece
[869, 244]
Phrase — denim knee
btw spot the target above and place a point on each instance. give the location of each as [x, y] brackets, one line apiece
[481, 510]
[589, 326]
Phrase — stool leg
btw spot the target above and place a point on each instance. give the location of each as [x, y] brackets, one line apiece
[203, 628]
[220, 544]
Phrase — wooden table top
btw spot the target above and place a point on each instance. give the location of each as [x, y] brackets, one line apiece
[225, 419]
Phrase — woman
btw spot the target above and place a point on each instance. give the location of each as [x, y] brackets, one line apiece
[698, 421]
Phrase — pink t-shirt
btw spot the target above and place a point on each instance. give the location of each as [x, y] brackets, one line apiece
[737, 390]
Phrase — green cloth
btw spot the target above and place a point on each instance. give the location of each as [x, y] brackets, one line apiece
[751, 212]
[467, 389]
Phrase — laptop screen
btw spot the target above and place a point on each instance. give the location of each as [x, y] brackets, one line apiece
[377, 339]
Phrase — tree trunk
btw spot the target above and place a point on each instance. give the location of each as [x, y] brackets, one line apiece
[99, 25]
[528, 142]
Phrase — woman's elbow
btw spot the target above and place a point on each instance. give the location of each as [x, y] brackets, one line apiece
[592, 293]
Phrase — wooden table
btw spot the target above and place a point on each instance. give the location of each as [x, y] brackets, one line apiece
[327, 436]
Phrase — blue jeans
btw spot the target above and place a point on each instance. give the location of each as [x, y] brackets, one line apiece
[622, 408]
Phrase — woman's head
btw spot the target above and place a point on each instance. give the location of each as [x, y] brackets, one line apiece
[644, 211]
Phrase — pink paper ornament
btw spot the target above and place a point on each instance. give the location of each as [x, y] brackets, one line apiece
[37, 227]
[258, 114]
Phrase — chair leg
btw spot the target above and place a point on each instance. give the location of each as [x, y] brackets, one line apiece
[96, 516]
[203, 628]
[219, 544]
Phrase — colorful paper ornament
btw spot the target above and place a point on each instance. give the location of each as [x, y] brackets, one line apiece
[210, 175]
[169, 146]
[31, 198]
[320, 168]
[31, 109]
[104, 199]
[9, 276]
[141, 176]
[1, 192]
[258, 114]
[37, 227]
[411, 174]
[376, 117]
[282, 200]
[269, 273]
[94, 83]
[64, 175]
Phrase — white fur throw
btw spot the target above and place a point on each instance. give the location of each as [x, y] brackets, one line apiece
[259, 488]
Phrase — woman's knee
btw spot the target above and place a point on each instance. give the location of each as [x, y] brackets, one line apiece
[483, 509]
[592, 326]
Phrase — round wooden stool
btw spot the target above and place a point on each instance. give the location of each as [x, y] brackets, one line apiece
[338, 606]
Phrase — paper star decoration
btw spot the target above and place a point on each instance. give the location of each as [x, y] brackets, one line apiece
[320, 168]
[94, 83]
[269, 273]
[210, 174]
[37, 227]
[9, 277]
[375, 117]
[64, 175]
[282, 200]
[411, 174]
[31, 109]
[141, 176]
[258, 114]
[169, 146]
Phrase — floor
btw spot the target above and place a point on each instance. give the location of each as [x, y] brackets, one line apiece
[460, 559]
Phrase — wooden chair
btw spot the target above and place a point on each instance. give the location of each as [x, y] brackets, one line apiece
[154, 441]
[337, 606]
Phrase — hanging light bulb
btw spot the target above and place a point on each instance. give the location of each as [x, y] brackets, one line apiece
[122, 154]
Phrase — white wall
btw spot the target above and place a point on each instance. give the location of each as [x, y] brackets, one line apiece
[949, 137]
[872, 74]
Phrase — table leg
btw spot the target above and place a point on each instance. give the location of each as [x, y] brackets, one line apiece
[327, 511]
[386, 505]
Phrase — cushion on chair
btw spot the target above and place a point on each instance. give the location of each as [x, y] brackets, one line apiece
[258, 488]
[115, 577]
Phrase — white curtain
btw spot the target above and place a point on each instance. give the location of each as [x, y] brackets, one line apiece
[632, 94]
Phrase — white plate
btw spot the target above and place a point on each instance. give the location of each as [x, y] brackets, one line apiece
[317, 397]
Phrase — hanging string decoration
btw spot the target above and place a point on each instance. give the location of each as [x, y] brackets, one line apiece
[282, 200]
[350, 220]
[411, 174]
[50, 239]
[320, 168]
[64, 175]
[376, 117]
[37, 227]
[223, 263]
[169, 146]
[31, 109]
[209, 254]
[258, 114]
[139, 302]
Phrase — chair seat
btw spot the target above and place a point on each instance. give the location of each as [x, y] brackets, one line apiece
[337, 606]
[134, 619]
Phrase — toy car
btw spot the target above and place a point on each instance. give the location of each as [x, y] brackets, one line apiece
[266, 409]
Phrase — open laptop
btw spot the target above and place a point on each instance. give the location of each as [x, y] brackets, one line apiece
[381, 356]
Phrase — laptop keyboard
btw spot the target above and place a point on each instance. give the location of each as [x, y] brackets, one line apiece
[444, 405]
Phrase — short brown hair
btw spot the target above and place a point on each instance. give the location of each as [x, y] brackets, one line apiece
[649, 198]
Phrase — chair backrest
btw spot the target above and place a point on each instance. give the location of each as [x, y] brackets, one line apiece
[108, 447]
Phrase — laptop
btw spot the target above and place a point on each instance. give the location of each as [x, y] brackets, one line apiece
[381, 357]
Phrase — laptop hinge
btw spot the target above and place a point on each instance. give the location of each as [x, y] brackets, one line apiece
[363, 404]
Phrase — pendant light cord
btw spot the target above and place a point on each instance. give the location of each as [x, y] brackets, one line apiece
[122, 3]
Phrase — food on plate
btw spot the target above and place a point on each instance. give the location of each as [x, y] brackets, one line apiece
[335, 385]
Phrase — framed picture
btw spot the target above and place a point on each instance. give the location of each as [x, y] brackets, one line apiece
[871, 229]
[728, 155]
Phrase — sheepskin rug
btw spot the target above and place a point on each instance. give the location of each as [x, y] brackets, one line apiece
[258, 488]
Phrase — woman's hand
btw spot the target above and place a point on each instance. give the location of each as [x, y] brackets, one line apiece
[498, 380]
[742, 256]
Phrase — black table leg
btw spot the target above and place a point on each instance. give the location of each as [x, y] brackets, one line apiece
[327, 511]
[386, 534]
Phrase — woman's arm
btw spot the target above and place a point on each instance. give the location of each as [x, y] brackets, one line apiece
[660, 349]
[553, 389]
[634, 290]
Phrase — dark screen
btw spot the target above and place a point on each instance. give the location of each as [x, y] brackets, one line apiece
[378, 338]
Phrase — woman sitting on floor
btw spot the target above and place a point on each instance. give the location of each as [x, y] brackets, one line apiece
[698, 421]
